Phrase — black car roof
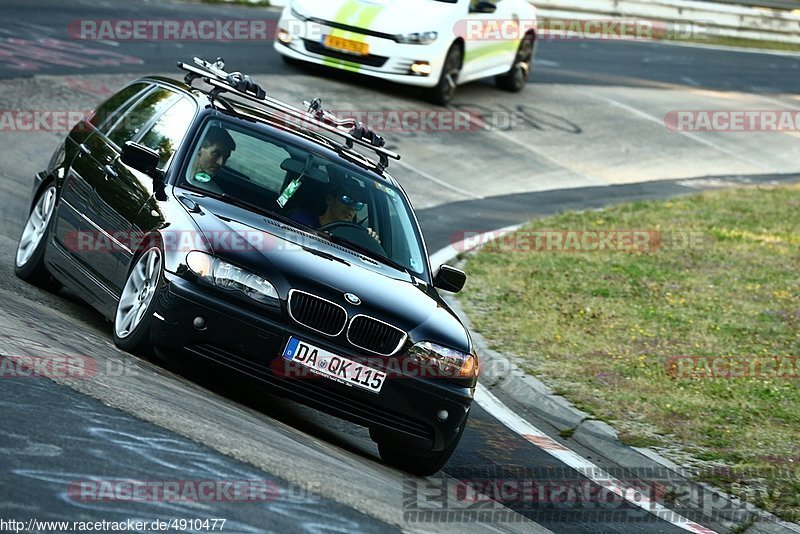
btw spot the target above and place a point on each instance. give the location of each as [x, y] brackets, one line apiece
[288, 131]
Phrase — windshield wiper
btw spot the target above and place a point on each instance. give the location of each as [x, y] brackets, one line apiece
[236, 201]
[371, 254]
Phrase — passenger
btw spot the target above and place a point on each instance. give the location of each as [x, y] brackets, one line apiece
[213, 153]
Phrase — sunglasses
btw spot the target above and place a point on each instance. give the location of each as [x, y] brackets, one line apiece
[349, 201]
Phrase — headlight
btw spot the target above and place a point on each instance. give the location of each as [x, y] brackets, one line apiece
[227, 276]
[449, 362]
[417, 38]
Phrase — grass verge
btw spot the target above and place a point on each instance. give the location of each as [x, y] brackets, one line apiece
[692, 339]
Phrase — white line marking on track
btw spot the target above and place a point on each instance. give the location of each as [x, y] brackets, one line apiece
[438, 181]
[502, 413]
[693, 137]
[514, 422]
[526, 146]
[454, 249]
[777, 102]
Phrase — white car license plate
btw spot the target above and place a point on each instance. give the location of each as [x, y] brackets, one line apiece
[335, 367]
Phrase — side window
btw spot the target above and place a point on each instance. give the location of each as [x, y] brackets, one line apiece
[110, 110]
[168, 131]
[140, 115]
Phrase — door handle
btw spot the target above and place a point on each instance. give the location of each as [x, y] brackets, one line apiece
[110, 171]
[85, 149]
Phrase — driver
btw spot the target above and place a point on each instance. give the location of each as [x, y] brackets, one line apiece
[342, 203]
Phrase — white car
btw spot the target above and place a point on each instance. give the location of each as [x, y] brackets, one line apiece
[437, 44]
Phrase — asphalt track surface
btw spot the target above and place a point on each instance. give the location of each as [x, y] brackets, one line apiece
[589, 137]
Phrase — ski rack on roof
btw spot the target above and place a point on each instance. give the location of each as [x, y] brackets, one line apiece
[238, 84]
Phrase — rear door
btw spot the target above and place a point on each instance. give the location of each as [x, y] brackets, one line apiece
[493, 46]
[76, 226]
[112, 195]
[164, 136]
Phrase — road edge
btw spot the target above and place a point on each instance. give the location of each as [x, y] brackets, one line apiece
[501, 372]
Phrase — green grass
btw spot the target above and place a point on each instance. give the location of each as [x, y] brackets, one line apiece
[603, 327]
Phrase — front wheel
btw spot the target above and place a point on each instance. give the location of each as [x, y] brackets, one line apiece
[29, 261]
[517, 76]
[134, 313]
[444, 91]
[416, 462]
[290, 60]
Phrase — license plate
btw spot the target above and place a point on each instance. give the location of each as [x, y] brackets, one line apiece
[337, 368]
[346, 45]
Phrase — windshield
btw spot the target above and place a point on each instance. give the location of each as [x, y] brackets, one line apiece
[351, 206]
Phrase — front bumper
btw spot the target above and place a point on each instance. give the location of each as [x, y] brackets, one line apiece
[252, 342]
[388, 60]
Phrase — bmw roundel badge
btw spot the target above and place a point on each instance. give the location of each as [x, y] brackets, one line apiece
[352, 299]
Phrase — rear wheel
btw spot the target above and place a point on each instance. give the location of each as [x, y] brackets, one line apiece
[444, 91]
[422, 463]
[134, 313]
[516, 78]
[29, 261]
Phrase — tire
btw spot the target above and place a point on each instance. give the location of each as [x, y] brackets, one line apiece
[516, 78]
[29, 259]
[444, 91]
[419, 463]
[134, 314]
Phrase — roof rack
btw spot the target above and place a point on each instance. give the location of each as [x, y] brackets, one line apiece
[238, 84]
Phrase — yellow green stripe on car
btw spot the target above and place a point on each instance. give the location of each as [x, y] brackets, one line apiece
[364, 16]
[489, 50]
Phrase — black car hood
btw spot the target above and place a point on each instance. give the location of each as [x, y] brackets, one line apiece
[292, 259]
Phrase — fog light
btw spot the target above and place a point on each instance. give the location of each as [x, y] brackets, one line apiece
[442, 415]
[284, 37]
[422, 68]
[199, 323]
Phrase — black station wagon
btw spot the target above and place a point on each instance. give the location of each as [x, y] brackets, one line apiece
[207, 219]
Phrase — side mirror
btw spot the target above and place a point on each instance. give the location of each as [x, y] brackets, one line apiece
[484, 7]
[141, 158]
[450, 279]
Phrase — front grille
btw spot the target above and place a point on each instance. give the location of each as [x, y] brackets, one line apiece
[370, 60]
[317, 314]
[375, 336]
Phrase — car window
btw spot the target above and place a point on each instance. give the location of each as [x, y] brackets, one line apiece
[259, 161]
[319, 192]
[140, 115]
[110, 110]
[168, 131]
